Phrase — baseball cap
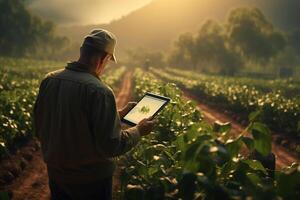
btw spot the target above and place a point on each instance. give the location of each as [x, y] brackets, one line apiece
[102, 40]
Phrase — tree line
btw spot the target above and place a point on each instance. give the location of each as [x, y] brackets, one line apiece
[247, 38]
[26, 35]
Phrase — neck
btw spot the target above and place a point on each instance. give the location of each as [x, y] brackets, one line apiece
[91, 66]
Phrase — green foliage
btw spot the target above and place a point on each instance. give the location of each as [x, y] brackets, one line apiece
[294, 39]
[208, 47]
[262, 138]
[4, 196]
[253, 35]
[211, 48]
[278, 112]
[19, 82]
[186, 158]
[289, 87]
[23, 34]
[113, 77]
[246, 37]
[18, 89]
[288, 182]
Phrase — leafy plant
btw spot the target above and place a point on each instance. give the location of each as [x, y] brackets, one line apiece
[186, 158]
[277, 111]
[19, 82]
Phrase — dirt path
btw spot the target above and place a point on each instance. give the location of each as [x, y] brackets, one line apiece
[32, 184]
[283, 157]
[124, 94]
[123, 97]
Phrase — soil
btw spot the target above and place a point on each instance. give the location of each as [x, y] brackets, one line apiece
[24, 174]
[124, 96]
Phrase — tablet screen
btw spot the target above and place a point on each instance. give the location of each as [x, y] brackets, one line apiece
[148, 106]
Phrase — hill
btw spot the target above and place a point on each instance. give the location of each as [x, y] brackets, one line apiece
[157, 24]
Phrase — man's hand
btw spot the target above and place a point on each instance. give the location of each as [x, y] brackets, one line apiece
[126, 109]
[146, 126]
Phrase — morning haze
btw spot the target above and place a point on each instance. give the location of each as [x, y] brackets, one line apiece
[157, 25]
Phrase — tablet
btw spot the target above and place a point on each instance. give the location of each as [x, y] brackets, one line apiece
[148, 106]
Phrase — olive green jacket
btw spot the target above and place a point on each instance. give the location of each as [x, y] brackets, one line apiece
[77, 122]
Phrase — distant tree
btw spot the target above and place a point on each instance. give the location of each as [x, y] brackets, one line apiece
[177, 59]
[210, 39]
[181, 55]
[23, 34]
[288, 59]
[294, 40]
[16, 28]
[253, 35]
[211, 43]
[207, 50]
[230, 62]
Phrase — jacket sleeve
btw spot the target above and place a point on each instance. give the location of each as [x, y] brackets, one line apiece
[110, 139]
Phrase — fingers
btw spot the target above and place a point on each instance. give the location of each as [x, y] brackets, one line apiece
[148, 121]
[131, 103]
[129, 106]
[143, 121]
[151, 119]
[155, 121]
[145, 126]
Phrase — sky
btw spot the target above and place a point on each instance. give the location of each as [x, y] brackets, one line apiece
[83, 12]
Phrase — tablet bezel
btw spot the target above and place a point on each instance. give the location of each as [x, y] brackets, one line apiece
[166, 99]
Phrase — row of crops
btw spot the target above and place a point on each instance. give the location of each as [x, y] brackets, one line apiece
[288, 87]
[277, 111]
[186, 158]
[19, 83]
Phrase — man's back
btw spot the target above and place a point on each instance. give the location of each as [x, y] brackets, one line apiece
[75, 115]
[78, 124]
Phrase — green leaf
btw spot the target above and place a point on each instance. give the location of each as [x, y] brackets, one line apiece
[254, 115]
[134, 192]
[254, 178]
[288, 183]
[180, 142]
[248, 142]
[170, 156]
[221, 127]
[4, 196]
[234, 146]
[262, 138]
[256, 165]
[152, 170]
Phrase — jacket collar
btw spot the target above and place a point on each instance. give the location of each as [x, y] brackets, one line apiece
[80, 67]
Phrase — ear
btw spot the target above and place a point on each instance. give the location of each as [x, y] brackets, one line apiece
[100, 60]
[106, 58]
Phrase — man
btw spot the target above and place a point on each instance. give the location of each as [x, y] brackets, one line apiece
[78, 124]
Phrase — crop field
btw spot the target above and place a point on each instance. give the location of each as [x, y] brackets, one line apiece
[185, 157]
[276, 106]
[150, 100]
[20, 79]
